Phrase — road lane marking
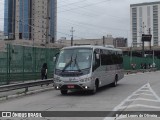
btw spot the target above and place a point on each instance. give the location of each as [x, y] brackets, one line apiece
[122, 107]
[123, 102]
[145, 90]
[143, 99]
[158, 98]
[144, 94]
[140, 105]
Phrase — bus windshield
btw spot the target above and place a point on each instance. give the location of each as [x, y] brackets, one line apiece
[74, 59]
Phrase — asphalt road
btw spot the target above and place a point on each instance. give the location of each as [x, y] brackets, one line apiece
[135, 92]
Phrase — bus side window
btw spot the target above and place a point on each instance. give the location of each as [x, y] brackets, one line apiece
[96, 62]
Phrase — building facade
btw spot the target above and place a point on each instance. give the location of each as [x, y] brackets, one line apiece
[31, 21]
[145, 19]
[120, 42]
[116, 42]
[9, 19]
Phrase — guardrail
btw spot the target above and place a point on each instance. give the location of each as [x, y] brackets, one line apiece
[25, 85]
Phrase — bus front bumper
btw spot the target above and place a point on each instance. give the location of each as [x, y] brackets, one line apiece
[84, 86]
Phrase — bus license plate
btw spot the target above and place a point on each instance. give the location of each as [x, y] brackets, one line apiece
[70, 86]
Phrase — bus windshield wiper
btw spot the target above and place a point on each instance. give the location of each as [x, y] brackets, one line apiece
[67, 64]
[76, 63]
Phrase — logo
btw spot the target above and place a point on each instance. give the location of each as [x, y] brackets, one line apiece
[6, 114]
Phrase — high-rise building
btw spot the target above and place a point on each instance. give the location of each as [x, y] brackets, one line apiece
[23, 19]
[145, 19]
[31, 21]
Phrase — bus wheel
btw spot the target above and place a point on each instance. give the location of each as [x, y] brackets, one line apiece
[64, 92]
[114, 84]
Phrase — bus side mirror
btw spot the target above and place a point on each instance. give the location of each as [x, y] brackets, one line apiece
[55, 57]
[97, 56]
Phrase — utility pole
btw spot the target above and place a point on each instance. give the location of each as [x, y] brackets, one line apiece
[153, 57]
[143, 26]
[149, 31]
[131, 53]
[47, 22]
[72, 31]
[104, 41]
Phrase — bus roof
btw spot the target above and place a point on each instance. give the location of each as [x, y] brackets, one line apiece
[92, 46]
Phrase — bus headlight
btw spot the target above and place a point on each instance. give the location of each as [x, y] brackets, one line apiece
[86, 80]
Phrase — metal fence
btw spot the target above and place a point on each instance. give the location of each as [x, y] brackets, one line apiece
[139, 61]
[22, 63]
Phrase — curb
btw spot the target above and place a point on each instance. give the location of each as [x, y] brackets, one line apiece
[127, 72]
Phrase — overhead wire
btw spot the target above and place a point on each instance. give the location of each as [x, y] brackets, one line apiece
[73, 3]
[91, 25]
[80, 7]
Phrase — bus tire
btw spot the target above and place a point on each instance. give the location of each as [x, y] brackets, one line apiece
[64, 92]
[114, 84]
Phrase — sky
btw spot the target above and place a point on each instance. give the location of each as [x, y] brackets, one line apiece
[91, 18]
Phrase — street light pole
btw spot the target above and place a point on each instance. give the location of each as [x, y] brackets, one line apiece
[153, 55]
[153, 65]
[104, 41]
[143, 31]
[131, 53]
[72, 31]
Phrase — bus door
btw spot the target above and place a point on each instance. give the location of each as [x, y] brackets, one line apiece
[96, 64]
